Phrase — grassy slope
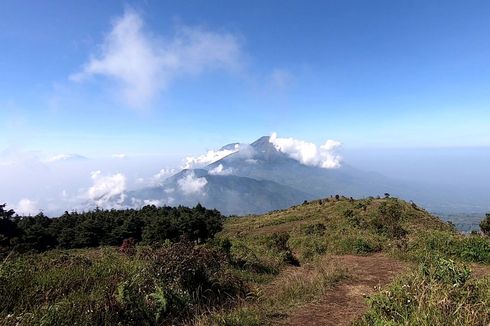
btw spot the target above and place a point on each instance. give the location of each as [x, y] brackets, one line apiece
[319, 229]
[334, 226]
[60, 286]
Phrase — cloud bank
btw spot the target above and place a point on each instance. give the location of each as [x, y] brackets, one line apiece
[143, 65]
[120, 156]
[105, 187]
[323, 156]
[190, 184]
[27, 207]
[220, 170]
[208, 158]
[163, 174]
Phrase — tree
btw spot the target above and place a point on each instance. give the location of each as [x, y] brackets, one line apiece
[36, 233]
[485, 225]
[8, 227]
[388, 220]
[149, 224]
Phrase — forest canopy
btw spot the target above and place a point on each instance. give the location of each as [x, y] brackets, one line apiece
[147, 225]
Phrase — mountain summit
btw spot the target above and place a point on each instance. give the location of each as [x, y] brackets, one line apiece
[256, 178]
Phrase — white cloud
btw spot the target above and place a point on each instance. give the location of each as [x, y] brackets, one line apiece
[106, 187]
[245, 151]
[190, 184]
[162, 175]
[27, 207]
[143, 65]
[323, 156]
[64, 157]
[119, 156]
[154, 202]
[208, 158]
[220, 170]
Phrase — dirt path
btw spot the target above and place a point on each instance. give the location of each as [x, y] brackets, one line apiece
[479, 271]
[344, 303]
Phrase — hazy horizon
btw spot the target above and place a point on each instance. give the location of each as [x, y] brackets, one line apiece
[32, 181]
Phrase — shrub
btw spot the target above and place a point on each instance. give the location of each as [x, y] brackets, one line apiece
[444, 270]
[279, 242]
[361, 246]
[197, 271]
[388, 219]
[128, 247]
[314, 229]
[485, 225]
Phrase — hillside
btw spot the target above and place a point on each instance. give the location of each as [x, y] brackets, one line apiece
[350, 250]
[291, 266]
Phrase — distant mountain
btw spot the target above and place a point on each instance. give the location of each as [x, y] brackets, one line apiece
[262, 161]
[258, 178]
[229, 194]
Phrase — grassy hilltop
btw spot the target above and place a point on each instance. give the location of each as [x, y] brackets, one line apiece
[282, 267]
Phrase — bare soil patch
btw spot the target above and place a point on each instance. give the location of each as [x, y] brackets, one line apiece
[347, 301]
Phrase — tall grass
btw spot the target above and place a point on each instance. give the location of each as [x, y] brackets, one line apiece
[157, 286]
[269, 303]
[440, 292]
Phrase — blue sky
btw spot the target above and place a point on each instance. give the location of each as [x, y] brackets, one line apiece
[370, 74]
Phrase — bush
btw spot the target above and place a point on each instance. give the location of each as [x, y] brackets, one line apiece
[128, 247]
[279, 242]
[485, 225]
[361, 246]
[389, 218]
[444, 270]
[196, 271]
[317, 229]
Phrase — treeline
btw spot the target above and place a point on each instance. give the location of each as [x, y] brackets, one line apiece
[148, 225]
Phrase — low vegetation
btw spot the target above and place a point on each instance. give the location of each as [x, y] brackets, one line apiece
[158, 266]
[154, 286]
[440, 292]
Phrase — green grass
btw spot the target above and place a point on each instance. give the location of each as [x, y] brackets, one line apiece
[248, 275]
[46, 288]
[104, 287]
[467, 248]
[441, 292]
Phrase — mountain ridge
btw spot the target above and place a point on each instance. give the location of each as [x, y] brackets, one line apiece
[257, 178]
